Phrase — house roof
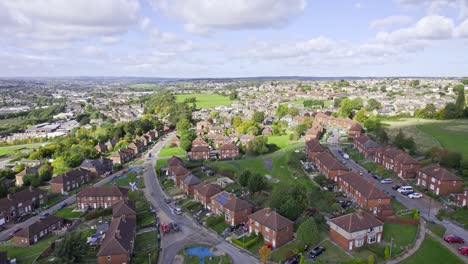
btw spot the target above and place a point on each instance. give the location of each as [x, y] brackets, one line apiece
[366, 188]
[123, 207]
[228, 146]
[357, 221]
[391, 152]
[440, 173]
[29, 170]
[221, 197]
[405, 158]
[362, 139]
[100, 164]
[314, 146]
[20, 197]
[113, 191]
[199, 142]
[36, 227]
[200, 149]
[119, 238]
[330, 162]
[271, 219]
[191, 180]
[356, 127]
[180, 171]
[207, 189]
[174, 161]
[371, 144]
[72, 175]
[236, 204]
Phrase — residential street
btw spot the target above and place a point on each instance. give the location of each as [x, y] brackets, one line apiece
[4, 235]
[191, 233]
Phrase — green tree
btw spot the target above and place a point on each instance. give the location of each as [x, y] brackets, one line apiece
[372, 123]
[293, 111]
[282, 110]
[308, 232]
[236, 121]
[371, 259]
[450, 111]
[460, 103]
[337, 101]
[361, 116]
[45, 172]
[346, 107]
[258, 145]
[233, 95]
[465, 81]
[258, 116]
[356, 103]
[415, 214]
[71, 249]
[373, 104]
[244, 178]
[387, 253]
[256, 183]
[289, 200]
[183, 125]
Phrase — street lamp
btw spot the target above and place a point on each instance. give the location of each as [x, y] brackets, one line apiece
[149, 258]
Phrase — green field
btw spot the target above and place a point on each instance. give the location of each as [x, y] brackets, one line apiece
[432, 252]
[206, 100]
[28, 254]
[67, 212]
[4, 151]
[168, 151]
[280, 141]
[402, 235]
[449, 134]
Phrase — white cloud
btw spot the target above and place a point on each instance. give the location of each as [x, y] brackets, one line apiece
[462, 29]
[93, 52]
[391, 21]
[207, 16]
[110, 40]
[61, 21]
[358, 5]
[434, 7]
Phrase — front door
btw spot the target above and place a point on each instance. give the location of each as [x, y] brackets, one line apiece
[350, 245]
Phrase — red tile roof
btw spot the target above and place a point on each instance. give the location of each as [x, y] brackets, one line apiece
[440, 173]
[271, 219]
[357, 221]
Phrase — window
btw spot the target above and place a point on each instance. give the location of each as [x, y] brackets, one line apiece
[371, 239]
[359, 242]
[226, 217]
[109, 258]
[267, 229]
[267, 238]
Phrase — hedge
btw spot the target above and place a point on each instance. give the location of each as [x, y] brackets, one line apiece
[252, 240]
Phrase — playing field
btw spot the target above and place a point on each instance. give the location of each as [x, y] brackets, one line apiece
[450, 134]
[4, 151]
[206, 100]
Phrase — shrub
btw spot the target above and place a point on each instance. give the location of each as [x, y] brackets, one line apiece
[249, 241]
[98, 213]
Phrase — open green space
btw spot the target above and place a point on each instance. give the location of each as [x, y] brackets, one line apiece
[401, 234]
[168, 151]
[205, 100]
[27, 254]
[432, 252]
[132, 176]
[67, 212]
[286, 251]
[5, 151]
[461, 216]
[333, 253]
[145, 244]
[144, 215]
[279, 141]
[438, 230]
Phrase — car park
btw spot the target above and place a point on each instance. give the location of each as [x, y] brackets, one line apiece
[454, 239]
[415, 195]
[386, 180]
[463, 250]
[317, 251]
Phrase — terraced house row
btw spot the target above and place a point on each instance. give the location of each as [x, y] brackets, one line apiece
[435, 178]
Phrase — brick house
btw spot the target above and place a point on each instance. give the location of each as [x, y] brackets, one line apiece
[179, 175]
[329, 166]
[189, 183]
[122, 156]
[145, 140]
[228, 151]
[276, 229]
[235, 210]
[199, 142]
[406, 167]
[200, 152]
[124, 207]
[203, 192]
[462, 198]
[439, 180]
[70, 180]
[20, 203]
[355, 130]
[366, 146]
[36, 231]
[173, 163]
[117, 246]
[137, 146]
[358, 142]
[313, 148]
[315, 132]
[101, 148]
[365, 194]
[100, 197]
[100, 166]
[386, 157]
[28, 170]
[245, 139]
[355, 230]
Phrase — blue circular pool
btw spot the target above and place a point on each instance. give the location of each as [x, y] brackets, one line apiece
[201, 252]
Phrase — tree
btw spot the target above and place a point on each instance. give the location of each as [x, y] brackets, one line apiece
[214, 114]
[346, 107]
[450, 159]
[293, 111]
[356, 103]
[258, 145]
[387, 253]
[465, 81]
[460, 103]
[464, 167]
[337, 101]
[45, 172]
[289, 200]
[450, 111]
[233, 95]
[414, 83]
[372, 123]
[415, 214]
[308, 232]
[236, 121]
[281, 111]
[361, 116]
[371, 259]
[244, 178]
[256, 183]
[183, 125]
[71, 249]
[264, 252]
[373, 104]
[258, 116]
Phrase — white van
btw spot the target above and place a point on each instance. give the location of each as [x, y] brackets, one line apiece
[178, 211]
[405, 189]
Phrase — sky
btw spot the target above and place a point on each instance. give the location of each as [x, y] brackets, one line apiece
[233, 38]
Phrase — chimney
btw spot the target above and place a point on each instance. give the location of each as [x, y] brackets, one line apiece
[268, 211]
[9, 196]
[359, 214]
[117, 234]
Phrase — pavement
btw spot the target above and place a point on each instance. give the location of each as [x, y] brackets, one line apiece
[4, 235]
[191, 232]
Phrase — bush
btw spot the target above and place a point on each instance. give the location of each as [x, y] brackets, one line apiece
[251, 240]
[98, 213]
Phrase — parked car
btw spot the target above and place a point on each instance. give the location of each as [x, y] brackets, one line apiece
[167, 200]
[45, 214]
[316, 252]
[178, 210]
[376, 176]
[343, 161]
[405, 189]
[387, 180]
[165, 228]
[463, 250]
[175, 227]
[63, 205]
[293, 260]
[396, 187]
[454, 239]
[415, 195]
[228, 230]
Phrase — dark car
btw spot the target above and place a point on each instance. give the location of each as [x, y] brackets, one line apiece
[167, 200]
[396, 187]
[293, 260]
[454, 239]
[175, 227]
[228, 230]
[376, 176]
[316, 252]
[45, 214]
[63, 205]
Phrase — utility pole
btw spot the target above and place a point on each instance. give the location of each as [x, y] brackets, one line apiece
[429, 211]
[149, 258]
[391, 246]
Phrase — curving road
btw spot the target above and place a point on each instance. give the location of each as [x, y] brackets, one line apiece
[191, 233]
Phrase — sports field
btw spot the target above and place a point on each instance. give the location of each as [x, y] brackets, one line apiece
[4, 151]
[206, 100]
[450, 134]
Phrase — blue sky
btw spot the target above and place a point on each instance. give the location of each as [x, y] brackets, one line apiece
[233, 38]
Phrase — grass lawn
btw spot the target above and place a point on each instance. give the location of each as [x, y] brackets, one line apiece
[461, 216]
[333, 253]
[67, 212]
[402, 235]
[54, 199]
[4, 151]
[280, 254]
[145, 244]
[205, 100]
[169, 151]
[432, 252]
[280, 141]
[124, 181]
[438, 230]
[220, 227]
[28, 254]
[399, 207]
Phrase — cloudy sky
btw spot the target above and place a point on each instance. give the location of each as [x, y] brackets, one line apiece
[230, 38]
